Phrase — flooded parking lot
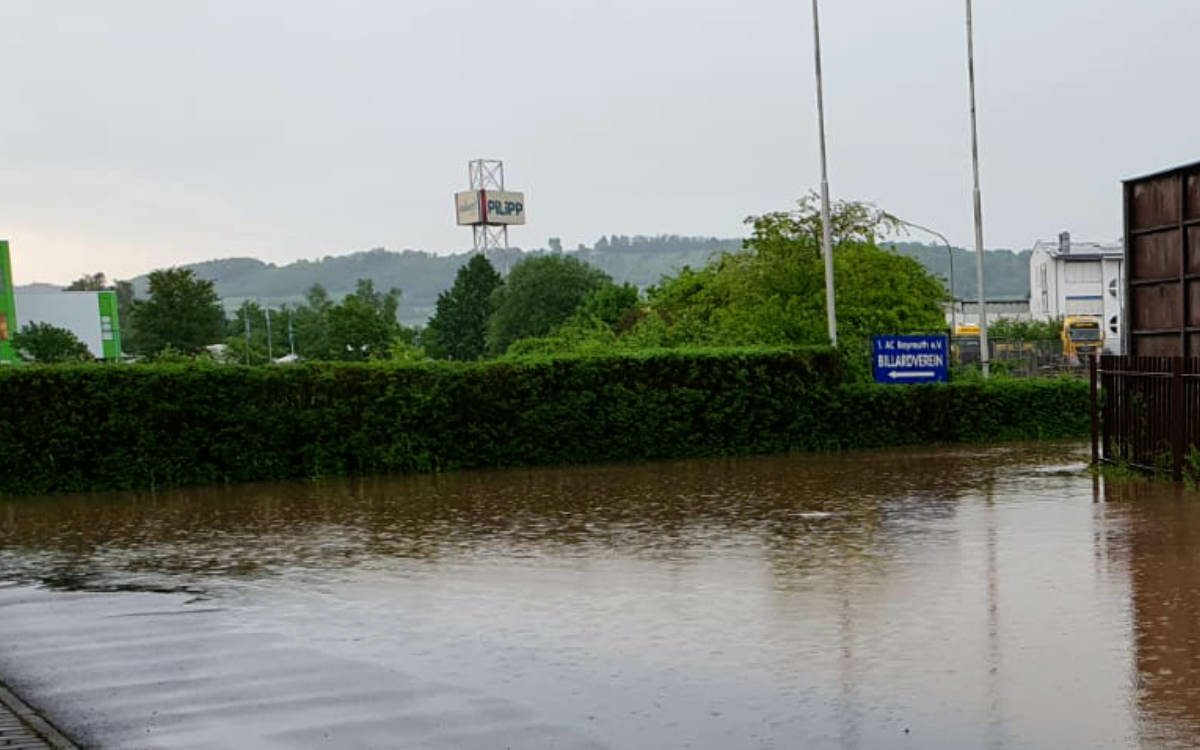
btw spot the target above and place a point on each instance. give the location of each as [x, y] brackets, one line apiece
[924, 598]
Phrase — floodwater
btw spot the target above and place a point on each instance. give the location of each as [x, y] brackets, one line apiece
[995, 597]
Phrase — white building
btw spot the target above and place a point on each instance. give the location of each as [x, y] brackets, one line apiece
[965, 312]
[1079, 278]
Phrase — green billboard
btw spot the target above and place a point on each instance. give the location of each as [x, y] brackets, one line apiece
[8, 307]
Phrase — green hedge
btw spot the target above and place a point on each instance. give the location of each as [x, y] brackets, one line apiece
[105, 427]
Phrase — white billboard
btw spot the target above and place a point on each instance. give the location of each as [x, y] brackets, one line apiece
[78, 312]
[493, 207]
[468, 208]
[503, 207]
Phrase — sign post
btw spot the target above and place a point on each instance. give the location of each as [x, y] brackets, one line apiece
[910, 359]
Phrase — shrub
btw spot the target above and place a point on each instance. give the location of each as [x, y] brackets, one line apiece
[84, 428]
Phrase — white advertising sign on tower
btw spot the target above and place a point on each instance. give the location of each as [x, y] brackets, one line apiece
[503, 207]
[467, 208]
[489, 207]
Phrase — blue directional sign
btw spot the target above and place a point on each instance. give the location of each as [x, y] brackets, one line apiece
[910, 359]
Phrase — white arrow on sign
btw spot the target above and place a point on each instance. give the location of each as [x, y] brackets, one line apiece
[912, 374]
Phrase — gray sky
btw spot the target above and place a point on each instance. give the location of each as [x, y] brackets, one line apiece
[141, 133]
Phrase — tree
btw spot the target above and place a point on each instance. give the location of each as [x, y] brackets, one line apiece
[772, 291]
[125, 302]
[183, 312]
[95, 282]
[614, 305]
[250, 312]
[44, 343]
[364, 325]
[310, 322]
[540, 294]
[458, 327]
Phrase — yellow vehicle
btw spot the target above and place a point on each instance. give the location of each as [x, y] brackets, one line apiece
[964, 345]
[1082, 335]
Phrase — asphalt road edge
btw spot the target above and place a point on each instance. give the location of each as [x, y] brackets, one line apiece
[44, 729]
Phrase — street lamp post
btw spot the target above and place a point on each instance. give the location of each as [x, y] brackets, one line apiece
[826, 232]
[949, 254]
[983, 338]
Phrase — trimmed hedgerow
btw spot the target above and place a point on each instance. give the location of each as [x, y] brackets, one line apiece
[119, 427]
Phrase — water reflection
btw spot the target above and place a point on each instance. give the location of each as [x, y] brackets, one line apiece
[950, 597]
[1160, 542]
[805, 511]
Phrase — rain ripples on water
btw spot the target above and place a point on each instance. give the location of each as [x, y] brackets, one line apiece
[923, 598]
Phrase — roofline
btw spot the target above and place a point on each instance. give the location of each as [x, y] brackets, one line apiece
[1163, 172]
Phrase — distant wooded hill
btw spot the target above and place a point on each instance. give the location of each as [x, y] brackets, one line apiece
[642, 261]
[1006, 273]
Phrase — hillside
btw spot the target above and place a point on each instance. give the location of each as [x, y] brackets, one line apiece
[642, 261]
[421, 276]
[1005, 272]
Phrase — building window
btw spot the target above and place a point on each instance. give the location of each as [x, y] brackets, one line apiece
[1082, 273]
[1045, 289]
[1084, 306]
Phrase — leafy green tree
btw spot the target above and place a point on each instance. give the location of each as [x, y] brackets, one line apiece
[363, 326]
[407, 346]
[48, 344]
[254, 352]
[579, 335]
[595, 327]
[772, 291]
[458, 327]
[615, 305]
[88, 283]
[182, 312]
[310, 323]
[540, 294]
[125, 301]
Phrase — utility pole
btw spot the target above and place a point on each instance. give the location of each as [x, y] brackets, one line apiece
[983, 337]
[246, 318]
[291, 334]
[826, 235]
[270, 355]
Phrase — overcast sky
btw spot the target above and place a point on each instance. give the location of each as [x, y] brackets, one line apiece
[141, 134]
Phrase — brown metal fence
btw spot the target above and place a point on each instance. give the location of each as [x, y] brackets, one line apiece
[1018, 357]
[1145, 411]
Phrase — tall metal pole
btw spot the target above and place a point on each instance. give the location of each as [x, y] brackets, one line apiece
[826, 234]
[983, 337]
[246, 318]
[270, 354]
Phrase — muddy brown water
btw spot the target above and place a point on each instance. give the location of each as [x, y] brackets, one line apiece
[922, 598]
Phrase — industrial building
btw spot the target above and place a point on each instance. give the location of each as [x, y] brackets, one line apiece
[1079, 278]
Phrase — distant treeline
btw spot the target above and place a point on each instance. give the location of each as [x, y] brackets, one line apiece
[1006, 273]
[641, 261]
[637, 260]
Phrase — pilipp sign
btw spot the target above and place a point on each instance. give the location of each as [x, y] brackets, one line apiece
[490, 207]
[910, 359]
